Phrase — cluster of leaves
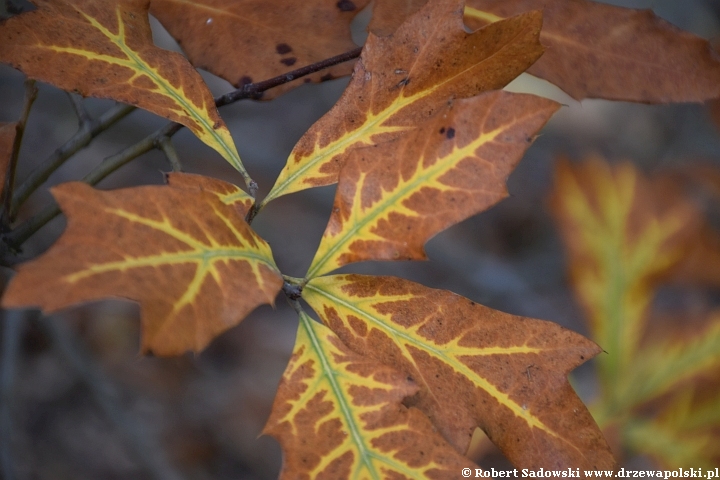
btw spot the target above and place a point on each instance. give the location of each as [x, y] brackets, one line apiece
[628, 235]
[397, 376]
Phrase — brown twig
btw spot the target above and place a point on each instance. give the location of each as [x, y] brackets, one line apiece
[30, 96]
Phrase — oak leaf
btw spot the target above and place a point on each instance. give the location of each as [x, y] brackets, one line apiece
[339, 414]
[188, 258]
[474, 366]
[105, 49]
[393, 197]
[597, 50]
[251, 40]
[404, 79]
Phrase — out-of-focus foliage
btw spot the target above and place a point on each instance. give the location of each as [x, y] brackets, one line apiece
[626, 236]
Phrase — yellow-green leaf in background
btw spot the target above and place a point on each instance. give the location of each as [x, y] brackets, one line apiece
[105, 49]
[474, 366]
[684, 435]
[393, 197]
[338, 414]
[187, 257]
[624, 234]
[403, 79]
[661, 366]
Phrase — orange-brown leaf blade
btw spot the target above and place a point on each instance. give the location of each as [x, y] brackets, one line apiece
[392, 198]
[402, 80]
[190, 260]
[105, 49]
[246, 41]
[603, 51]
[338, 415]
[228, 193]
[474, 366]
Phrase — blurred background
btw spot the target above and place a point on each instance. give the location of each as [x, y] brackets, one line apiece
[79, 401]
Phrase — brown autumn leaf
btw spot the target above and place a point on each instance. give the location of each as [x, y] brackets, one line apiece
[595, 50]
[388, 15]
[394, 197]
[105, 50]
[7, 141]
[188, 258]
[228, 193]
[404, 79]
[246, 41]
[338, 415]
[475, 367]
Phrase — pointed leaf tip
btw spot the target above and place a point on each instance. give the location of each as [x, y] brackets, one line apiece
[403, 79]
[190, 260]
[507, 374]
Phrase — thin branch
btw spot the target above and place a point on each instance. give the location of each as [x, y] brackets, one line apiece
[15, 238]
[144, 449]
[30, 96]
[12, 333]
[24, 231]
[78, 141]
[168, 149]
[80, 110]
[254, 90]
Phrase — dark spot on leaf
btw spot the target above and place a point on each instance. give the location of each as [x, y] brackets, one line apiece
[450, 133]
[346, 6]
[289, 61]
[442, 130]
[326, 77]
[216, 125]
[244, 80]
[582, 357]
[283, 48]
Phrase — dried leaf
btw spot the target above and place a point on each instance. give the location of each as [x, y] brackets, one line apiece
[105, 49]
[392, 198]
[388, 15]
[7, 141]
[228, 193]
[246, 41]
[338, 414]
[404, 79]
[190, 260]
[602, 51]
[623, 234]
[474, 366]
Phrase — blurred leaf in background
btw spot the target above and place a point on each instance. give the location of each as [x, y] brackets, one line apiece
[626, 236]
